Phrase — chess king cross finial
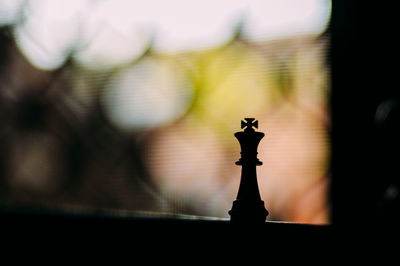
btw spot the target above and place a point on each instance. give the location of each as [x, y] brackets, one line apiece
[249, 124]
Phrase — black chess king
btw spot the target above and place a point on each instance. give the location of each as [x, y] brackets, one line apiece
[248, 206]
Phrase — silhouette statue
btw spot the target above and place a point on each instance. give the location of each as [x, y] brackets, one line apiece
[248, 206]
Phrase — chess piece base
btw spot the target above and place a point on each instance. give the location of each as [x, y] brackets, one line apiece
[248, 211]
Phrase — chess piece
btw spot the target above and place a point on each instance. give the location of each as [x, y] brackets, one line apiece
[248, 206]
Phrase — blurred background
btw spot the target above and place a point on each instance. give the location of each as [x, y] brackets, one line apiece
[131, 106]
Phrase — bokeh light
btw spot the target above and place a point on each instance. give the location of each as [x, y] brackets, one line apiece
[114, 32]
[149, 94]
[132, 105]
